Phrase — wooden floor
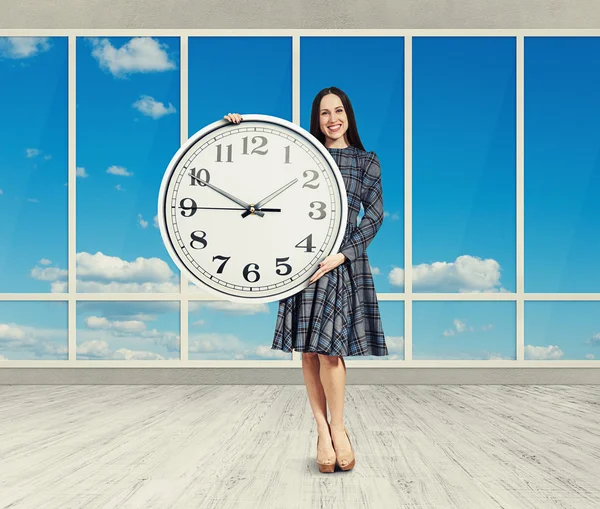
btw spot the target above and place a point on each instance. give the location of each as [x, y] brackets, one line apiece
[214, 446]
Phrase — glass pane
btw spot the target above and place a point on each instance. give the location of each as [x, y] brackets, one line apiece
[220, 330]
[34, 164]
[130, 331]
[243, 75]
[464, 164]
[561, 330]
[33, 331]
[127, 132]
[562, 167]
[377, 96]
[464, 330]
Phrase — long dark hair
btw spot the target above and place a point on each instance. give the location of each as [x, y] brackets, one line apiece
[315, 129]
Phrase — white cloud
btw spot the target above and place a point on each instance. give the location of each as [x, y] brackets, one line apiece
[137, 355]
[43, 343]
[395, 343]
[1, 191]
[466, 274]
[140, 54]
[101, 273]
[45, 261]
[141, 222]
[11, 331]
[198, 322]
[155, 222]
[266, 352]
[462, 356]
[93, 349]
[100, 322]
[460, 326]
[396, 277]
[590, 356]
[80, 172]
[242, 308]
[96, 322]
[119, 188]
[91, 342]
[48, 273]
[33, 200]
[218, 346]
[119, 170]
[31, 152]
[104, 267]
[23, 47]
[101, 349]
[375, 271]
[145, 311]
[102, 335]
[394, 217]
[116, 287]
[153, 108]
[543, 352]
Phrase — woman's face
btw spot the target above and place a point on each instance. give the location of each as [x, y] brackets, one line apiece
[333, 121]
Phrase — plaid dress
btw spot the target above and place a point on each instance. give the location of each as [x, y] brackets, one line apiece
[339, 314]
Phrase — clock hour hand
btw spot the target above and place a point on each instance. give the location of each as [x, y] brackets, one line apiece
[231, 197]
[267, 199]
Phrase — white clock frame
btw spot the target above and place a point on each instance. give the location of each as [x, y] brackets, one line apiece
[208, 280]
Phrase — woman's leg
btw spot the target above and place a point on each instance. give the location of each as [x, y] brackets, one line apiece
[318, 404]
[333, 378]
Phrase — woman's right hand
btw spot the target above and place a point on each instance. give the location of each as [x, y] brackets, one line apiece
[236, 118]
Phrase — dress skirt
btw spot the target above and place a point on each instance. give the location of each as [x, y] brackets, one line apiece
[338, 315]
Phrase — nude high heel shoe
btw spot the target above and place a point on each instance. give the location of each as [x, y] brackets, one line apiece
[344, 456]
[325, 467]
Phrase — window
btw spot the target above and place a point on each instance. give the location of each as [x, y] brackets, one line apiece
[502, 173]
[127, 131]
[464, 164]
[562, 168]
[33, 164]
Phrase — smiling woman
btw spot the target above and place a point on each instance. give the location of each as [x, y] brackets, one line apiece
[338, 315]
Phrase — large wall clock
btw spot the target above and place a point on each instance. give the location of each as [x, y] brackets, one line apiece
[247, 211]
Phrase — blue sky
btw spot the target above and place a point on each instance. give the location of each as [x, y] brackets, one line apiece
[562, 164]
[464, 170]
[33, 162]
[127, 131]
[464, 167]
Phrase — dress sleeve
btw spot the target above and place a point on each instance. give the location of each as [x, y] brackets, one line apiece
[372, 200]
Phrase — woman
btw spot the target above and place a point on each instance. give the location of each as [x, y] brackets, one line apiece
[338, 314]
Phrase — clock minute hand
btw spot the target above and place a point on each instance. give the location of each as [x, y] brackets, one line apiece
[267, 199]
[227, 195]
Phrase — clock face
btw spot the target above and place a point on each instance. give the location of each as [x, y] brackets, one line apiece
[247, 211]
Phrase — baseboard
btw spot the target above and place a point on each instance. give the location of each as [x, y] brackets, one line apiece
[293, 376]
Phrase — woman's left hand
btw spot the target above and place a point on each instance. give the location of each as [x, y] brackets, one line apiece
[329, 263]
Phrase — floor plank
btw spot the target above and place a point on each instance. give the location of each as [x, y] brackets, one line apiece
[229, 446]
